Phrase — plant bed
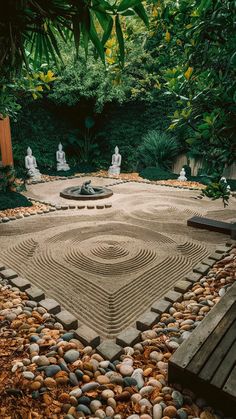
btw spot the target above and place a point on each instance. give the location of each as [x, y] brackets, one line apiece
[9, 200]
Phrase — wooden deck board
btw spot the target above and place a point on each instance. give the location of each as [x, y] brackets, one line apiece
[218, 355]
[224, 368]
[206, 361]
[230, 385]
[213, 340]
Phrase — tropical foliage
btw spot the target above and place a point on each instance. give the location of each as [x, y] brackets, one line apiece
[158, 149]
[176, 76]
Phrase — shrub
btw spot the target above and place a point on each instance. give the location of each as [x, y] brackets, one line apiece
[188, 170]
[13, 200]
[156, 173]
[158, 149]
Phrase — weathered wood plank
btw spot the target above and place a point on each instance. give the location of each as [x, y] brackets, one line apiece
[190, 347]
[214, 339]
[224, 369]
[219, 354]
[230, 385]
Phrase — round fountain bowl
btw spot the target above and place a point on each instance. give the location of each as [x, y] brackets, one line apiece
[72, 193]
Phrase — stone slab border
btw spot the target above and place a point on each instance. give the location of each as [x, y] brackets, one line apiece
[111, 349]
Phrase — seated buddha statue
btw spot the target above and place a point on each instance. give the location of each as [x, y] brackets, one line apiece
[114, 169]
[61, 159]
[31, 165]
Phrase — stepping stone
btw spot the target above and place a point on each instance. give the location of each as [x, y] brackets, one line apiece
[108, 205]
[67, 320]
[201, 269]
[5, 219]
[161, 306]
[147, 320]
[72, 206]
[193, 276]
[50, 305]
[90, 206]
[64, 207]
[183, 286]
[8, 274]
[208, 261]
[108, 349]
[216, 256]
[100, 206]
[35, 293]
[2, 267]
[222, 249]
[173, 296]
[80, 206]
[128, 337]
[20, 283]
[87, 336]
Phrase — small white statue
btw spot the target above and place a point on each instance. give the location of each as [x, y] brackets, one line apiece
[61, 159]
[31, 165]
[182, 175]
[114, 169]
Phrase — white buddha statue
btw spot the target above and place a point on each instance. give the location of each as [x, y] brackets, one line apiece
[61, 159]
[114, 169]
[31, 165]
[182, 175]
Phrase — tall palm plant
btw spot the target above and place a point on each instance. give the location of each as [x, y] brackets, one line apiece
[33, 26]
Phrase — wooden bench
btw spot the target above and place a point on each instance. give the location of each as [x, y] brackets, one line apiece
[213, 225]
[206, 361]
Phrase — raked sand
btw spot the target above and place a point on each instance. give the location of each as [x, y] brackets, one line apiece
[107, 266]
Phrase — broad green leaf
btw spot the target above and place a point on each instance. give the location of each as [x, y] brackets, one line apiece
[139, 9]
[120, 40]
[126, 4]
[95, 39]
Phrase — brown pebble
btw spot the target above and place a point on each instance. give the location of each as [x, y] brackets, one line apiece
[62, 380]
[71, 411]
[39, 378]
[103, 379]
[124, 396]
[35, 385]
[147, 372]
[86, 378]
[206, 415]
[170, 411]
[73, 401]
[50, 382]
[64, 398]
[66, 407]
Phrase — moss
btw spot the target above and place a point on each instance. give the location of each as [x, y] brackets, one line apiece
[9, 200]
[155, 173]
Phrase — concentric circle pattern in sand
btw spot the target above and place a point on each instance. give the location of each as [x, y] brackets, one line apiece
[108, 268]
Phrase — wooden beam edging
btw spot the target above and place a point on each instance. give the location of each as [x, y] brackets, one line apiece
[191, 346]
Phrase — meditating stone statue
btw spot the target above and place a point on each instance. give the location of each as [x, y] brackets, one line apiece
[114, 169]
[61, 159]
[31, 165]
[182, 175]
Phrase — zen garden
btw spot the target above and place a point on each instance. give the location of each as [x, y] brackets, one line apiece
[117, 209]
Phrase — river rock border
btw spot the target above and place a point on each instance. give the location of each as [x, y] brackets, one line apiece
[53, 208]
[109, 348]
